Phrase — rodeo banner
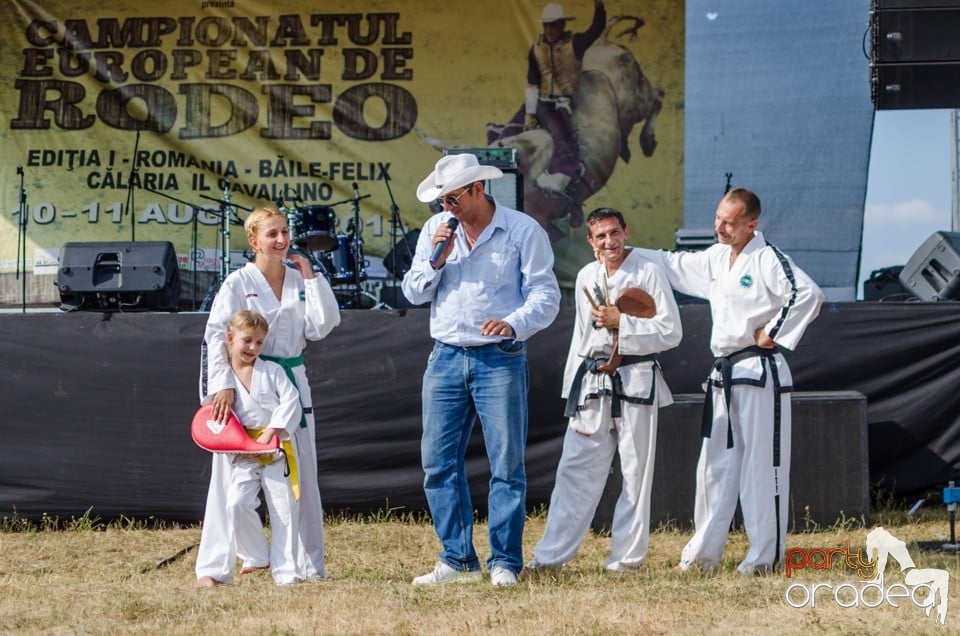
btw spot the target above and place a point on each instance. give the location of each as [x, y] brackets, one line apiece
[131, 122]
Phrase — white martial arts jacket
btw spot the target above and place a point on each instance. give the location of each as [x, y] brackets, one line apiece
[637, 336]
[307, 310]
[271, 402]
[764, 288]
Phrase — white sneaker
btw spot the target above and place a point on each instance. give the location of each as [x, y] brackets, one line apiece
[501, 576]
[443, 573]
[623, 568]
[755, 570]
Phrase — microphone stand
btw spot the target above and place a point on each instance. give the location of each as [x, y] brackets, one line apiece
[193, 239]
[22, 241]
[396, 225]
[226, 218]
[134, 175]
[728, 175]
[357, 246]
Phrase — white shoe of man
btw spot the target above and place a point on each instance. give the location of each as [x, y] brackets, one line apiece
[443, 573]
[502, 577]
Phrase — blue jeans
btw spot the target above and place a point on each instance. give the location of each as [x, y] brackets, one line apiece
[460, 385]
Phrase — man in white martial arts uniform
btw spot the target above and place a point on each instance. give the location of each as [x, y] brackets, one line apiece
[611, 411]
[298, 306]
[759, 301]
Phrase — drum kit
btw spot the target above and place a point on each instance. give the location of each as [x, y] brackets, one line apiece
[336, 256]
[314, 233]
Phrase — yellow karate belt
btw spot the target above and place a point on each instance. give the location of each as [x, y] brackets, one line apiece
[289, 456]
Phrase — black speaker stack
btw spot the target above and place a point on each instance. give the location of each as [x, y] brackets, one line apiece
[118, 276]
[915, 54]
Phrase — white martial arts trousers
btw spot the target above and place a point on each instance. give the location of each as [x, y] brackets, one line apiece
[581, 476]
[311, 509]
[746, 471]
[246, 477]
[252, 546]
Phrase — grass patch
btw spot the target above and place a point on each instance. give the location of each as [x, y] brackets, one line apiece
[132, 577]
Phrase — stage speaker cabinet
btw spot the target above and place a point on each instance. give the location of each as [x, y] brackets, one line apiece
[508, 190]
[933, 272]
[915, 54]
[118, 276]
[915, 86]
[884, 285]
[399, 259]
[917, 35]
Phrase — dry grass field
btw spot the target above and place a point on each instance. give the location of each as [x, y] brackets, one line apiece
[87, 577]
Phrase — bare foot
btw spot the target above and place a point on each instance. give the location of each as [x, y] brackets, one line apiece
[250, 569]
[207, 581]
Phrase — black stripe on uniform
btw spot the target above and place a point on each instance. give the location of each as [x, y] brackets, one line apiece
[788, 271]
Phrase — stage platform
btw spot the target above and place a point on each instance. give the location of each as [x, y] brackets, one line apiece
[97, 409]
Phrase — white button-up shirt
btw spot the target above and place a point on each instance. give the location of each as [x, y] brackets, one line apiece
[508, 275]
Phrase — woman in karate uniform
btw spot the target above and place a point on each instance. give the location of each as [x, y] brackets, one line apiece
[298, 306]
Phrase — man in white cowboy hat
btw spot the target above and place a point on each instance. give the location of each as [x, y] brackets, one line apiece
[487, 271]
[553, 69]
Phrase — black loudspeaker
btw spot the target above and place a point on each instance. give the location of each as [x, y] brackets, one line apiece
[398, 260]
[909, 86]
[508, 189]
[119, 276]
[393, 297]
[915, 54]
[884, 284]
[892, 5]
[917, 35]
[933, 272]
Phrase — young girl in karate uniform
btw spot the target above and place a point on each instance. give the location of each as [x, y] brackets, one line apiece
[268, 405]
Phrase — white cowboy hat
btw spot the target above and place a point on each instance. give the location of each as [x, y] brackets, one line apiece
[452, 172]
[553, 12]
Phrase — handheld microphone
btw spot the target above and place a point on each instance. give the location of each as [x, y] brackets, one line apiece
[442, 245]
[356, 192]
[289, 261]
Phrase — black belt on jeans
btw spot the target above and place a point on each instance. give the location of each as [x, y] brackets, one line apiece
[724, 365]
[472, 347]
[591, 365]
